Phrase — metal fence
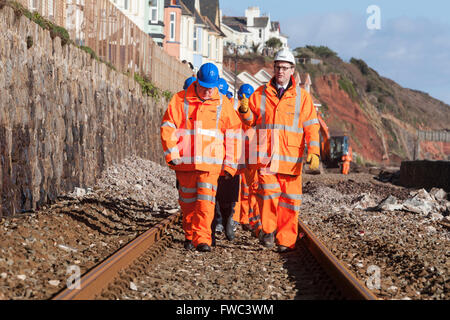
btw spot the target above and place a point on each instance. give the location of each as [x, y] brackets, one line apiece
[443, 136]
[98, 24]
[436, 136]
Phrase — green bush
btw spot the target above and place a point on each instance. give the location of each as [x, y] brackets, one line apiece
[167, 94]
[147, 87]
[90, 51]
[348, 87]
[322, 51]
[362, 66]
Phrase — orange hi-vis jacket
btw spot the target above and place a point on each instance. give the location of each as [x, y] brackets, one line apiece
[282, 128]
[199, 135]
[348, 156]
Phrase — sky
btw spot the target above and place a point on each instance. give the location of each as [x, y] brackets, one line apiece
[410, 44]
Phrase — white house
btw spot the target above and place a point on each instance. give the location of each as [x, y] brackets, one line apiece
[253, 29]
[207, 36]
[236, 31]
[187, 34]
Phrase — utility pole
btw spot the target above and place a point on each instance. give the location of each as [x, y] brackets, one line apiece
[235, 71]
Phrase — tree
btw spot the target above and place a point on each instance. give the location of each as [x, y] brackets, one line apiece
[274, 43]
[255, 47]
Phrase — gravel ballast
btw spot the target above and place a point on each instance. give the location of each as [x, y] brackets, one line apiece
[401, 253]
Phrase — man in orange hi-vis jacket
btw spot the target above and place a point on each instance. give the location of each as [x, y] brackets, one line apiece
[196, 131]
[347, 158]
[285, 119]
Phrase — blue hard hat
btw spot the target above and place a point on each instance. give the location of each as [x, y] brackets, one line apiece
[223, 86]
[245, 89]
[188, 82]
[208, 75]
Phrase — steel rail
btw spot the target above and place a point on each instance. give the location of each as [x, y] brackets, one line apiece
[344, 279]
[92, 283]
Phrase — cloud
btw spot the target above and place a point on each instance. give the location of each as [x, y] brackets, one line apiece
[415, 52]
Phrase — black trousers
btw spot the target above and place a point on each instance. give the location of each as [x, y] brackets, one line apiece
[226, 197]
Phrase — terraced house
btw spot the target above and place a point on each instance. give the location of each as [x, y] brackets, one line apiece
[201, 33]
[147, 15]
[189, 30]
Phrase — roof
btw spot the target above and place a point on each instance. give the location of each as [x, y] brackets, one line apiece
[263, 75]
[185, 10]
[275, 26]
[229, 77]
[209, 14]
[260, 22]
[198, 18]
[246, 77]
[210, 8]
[238, 24]
[213, 27]
[190, 4]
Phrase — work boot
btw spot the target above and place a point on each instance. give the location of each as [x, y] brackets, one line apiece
[247, 227]
[203, 247]
[188, 245]
[229, 229]
[267, 239]
[283, 249]
[227, 218]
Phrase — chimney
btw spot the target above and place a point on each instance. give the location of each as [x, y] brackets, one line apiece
[197, 6]
[250, 14]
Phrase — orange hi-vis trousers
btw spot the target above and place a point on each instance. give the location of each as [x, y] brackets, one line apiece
[254, 217]
[345, 167]
[249, 204]
[197, 198]
[279, 198]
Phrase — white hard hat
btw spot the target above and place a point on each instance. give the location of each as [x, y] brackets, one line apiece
[285, 55]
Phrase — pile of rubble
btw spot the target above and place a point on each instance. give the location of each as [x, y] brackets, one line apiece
[401, 233]
[433, 205]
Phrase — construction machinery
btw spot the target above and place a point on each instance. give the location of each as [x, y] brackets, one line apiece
[332, 148]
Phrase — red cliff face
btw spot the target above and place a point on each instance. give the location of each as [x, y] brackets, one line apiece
[344, 116]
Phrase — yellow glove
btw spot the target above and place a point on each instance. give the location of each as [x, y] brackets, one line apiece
[243, 108]
[313, 160]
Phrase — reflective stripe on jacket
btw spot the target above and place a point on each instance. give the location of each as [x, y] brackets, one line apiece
[283, 126]
[193, 132]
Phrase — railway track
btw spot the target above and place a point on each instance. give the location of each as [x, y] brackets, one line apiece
[324, 276]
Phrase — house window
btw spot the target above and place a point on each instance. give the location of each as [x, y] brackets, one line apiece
[173, 17]
[125, 4]
[260, 33]
[187, 33]
[50, 8]
[153, 10]
[217, 49]
[195, 39]
[33, 4]
[209, 46]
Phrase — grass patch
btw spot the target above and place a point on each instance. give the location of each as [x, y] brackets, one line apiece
[348, 87]
[150, 90]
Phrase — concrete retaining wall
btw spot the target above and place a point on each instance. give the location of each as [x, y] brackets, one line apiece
[64, 117]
